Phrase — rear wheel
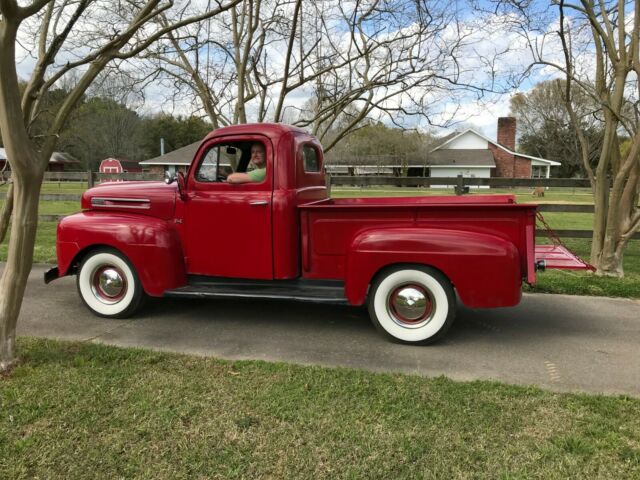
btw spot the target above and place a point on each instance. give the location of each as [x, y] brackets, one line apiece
[412, 304]
[109, 285]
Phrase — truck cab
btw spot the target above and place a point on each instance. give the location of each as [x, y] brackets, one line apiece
[252, 227]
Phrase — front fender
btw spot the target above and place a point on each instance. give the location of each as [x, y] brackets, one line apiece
[484, 269]
[152, 245]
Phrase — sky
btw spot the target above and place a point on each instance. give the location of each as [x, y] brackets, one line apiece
[466, 110]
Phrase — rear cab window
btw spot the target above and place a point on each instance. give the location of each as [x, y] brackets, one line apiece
[310, 160]
[309, 164]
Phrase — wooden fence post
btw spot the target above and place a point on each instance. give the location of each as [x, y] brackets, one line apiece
[459, 185]
[89, 179]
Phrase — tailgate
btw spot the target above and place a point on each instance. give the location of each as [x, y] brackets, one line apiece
[559, 257]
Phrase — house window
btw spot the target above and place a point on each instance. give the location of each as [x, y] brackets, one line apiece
[538, 171]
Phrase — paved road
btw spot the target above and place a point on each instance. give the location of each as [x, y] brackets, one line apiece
[560, 342]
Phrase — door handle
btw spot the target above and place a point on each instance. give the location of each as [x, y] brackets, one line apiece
[259, 203]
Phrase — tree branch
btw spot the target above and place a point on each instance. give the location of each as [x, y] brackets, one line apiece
[292, 35]
[32, 9]
[46, 58]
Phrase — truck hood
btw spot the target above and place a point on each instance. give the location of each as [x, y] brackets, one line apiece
[156, 199]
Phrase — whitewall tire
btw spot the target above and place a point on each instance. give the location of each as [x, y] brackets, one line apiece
[412, 304]
[108, 284]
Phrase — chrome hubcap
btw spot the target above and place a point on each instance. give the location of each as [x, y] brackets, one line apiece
[410, 305]
[109, 284]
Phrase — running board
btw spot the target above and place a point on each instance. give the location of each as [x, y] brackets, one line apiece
[316, 291]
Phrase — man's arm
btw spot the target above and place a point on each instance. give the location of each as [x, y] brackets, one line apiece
[239, 178]
[257, 175]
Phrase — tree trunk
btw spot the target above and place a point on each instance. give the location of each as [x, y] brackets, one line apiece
[5, 215]
[609, 261]
[613, 222]
[19, 260]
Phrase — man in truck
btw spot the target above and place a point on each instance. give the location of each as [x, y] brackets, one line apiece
[258, 160]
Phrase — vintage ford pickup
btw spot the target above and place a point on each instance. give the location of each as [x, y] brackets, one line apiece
[281, 236]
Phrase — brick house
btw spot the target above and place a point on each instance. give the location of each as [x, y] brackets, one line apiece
[471, 154]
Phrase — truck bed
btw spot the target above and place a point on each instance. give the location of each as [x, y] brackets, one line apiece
[330, 230]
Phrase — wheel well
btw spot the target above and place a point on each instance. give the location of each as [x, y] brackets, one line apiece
[77, 260]
[394, 266]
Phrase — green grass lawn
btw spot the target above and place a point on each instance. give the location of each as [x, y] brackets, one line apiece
[87, 411]
[58, 187]
[553, 195]
[45, 248]
[58, 208]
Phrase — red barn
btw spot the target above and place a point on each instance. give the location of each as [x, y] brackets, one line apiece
[110, 165]
[113, 165]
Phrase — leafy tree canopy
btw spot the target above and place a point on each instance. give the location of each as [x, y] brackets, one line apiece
[102, 127]
[176, 131]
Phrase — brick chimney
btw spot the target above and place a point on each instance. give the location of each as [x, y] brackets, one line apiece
[508, 165]
[507, 132]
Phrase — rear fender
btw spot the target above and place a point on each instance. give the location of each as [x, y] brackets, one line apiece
[152, 245]
[484, 269]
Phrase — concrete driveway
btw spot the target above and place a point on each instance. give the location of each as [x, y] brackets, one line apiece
[560, 342]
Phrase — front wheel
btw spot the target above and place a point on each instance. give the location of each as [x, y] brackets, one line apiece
[108, 284]
[412, 304]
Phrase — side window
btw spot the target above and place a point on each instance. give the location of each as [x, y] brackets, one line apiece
[310, 159]
[218, 162]
[207, 171]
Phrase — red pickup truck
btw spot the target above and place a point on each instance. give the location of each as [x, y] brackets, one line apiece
[283, 237]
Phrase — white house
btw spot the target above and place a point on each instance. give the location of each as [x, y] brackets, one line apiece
[471, 154]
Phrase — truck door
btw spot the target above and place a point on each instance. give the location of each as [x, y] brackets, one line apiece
[228, 227]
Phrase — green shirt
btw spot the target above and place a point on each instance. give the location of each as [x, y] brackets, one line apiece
[257, 175]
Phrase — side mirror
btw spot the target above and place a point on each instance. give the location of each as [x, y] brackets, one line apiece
[169, 178]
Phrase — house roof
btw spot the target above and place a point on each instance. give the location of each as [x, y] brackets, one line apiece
[539, 160]
[56, 157]
[466, 158]
[438, 142]
[129, 164]
[180, 156]
[63, 157]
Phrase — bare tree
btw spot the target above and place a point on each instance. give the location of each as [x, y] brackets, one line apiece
[78, 38]
[545, 128]
[366, 59]
[597, 53]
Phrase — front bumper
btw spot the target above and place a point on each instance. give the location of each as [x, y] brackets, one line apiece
[51, 274]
